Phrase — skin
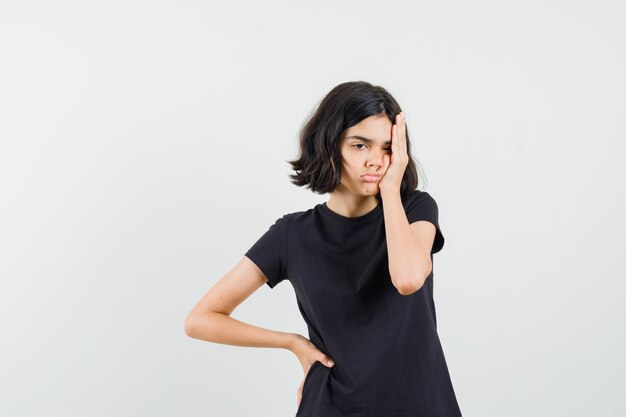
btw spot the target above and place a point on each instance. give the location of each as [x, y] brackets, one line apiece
[408, 245]
[353, 196]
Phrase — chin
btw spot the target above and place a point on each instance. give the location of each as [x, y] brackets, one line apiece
[371, 189]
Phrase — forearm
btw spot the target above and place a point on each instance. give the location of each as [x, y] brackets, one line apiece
[224, 329]
[407, 267]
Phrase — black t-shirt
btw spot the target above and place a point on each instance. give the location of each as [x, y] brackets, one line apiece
[388, 358]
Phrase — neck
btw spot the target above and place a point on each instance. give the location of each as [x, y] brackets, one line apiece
[350, 204]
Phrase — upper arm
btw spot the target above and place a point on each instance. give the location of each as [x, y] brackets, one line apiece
[425, 233]
[263, 263]
[423, 216]
[232, 289]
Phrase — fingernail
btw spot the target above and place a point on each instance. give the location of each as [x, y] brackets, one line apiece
[330, 363]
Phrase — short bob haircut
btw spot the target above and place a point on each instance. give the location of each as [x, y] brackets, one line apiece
[318, 167]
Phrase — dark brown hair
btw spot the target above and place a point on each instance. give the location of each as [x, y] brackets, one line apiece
[318, 167]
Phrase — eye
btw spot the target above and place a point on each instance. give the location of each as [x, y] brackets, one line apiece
[387, 149]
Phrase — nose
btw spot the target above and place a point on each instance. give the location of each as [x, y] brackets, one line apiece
[376, 158]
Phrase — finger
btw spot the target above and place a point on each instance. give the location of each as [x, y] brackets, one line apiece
[328, 361]
[402, 134]
[394, 138]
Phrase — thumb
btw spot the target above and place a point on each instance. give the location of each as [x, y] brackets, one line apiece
[327, 361]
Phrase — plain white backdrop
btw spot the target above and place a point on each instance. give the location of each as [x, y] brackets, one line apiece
[143, 150]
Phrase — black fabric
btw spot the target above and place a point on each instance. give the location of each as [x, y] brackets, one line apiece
[389, 361]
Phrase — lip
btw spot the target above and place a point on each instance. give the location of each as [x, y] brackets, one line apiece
[371, 177]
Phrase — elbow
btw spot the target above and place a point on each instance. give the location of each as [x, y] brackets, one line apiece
[199, 325]
[189, 326]
[410, 285]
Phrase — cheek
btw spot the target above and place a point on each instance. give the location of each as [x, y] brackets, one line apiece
[353, 161]
[347, 164]
[348, 173]
[352, 170]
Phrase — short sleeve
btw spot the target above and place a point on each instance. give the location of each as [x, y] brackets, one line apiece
[269, 251]
[422, 206]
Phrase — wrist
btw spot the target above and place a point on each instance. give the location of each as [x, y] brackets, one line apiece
[292, 340]
[388, 193]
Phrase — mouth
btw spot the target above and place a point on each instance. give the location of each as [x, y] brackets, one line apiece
[371, 177]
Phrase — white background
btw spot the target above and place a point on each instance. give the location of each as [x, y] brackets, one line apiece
[143, 150]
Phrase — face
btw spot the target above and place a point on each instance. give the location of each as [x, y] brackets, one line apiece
[362, 147]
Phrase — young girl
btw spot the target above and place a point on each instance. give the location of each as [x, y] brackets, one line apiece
[360, 265]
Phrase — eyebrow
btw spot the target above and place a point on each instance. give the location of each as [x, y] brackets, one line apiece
[364, 139]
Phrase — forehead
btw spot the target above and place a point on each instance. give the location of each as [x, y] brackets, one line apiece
[374, 128]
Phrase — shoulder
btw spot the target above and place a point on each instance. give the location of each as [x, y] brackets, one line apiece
[294, 217]
[420, 205]
[418, 197]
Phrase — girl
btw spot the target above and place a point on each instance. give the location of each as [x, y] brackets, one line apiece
[360, 265]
